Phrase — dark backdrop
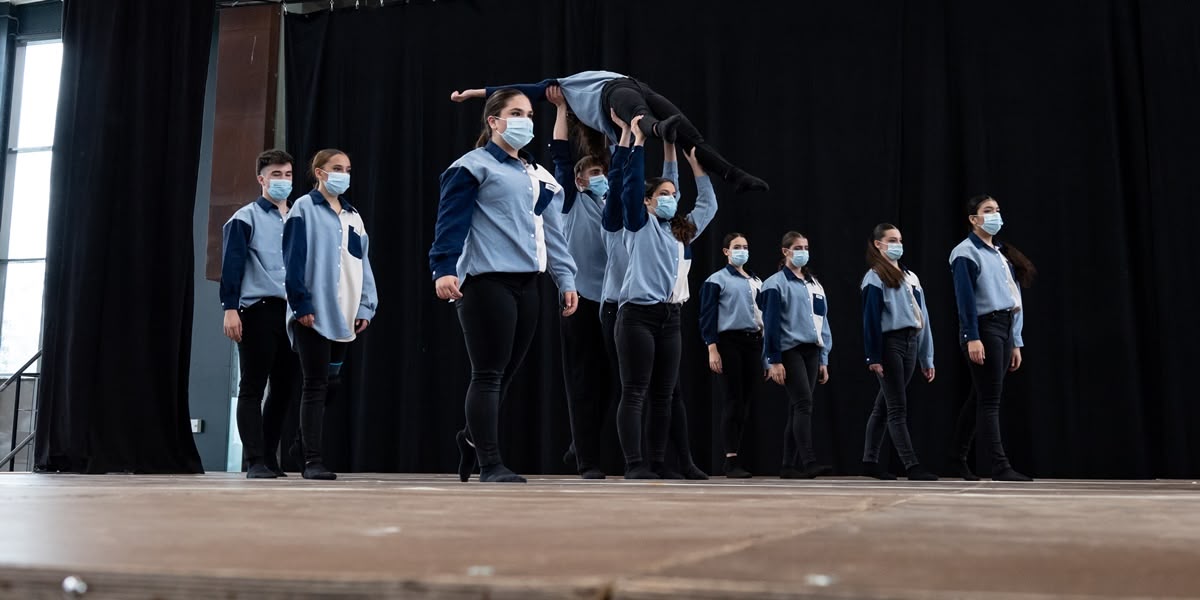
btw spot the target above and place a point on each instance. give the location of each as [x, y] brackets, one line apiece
[118, 302]
[1079, 116]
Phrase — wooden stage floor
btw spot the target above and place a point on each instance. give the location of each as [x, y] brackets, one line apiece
[428, 536]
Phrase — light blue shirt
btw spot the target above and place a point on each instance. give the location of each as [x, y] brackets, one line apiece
[729, 302]
[328, 271]
[583, 211]
[984, 282]
[613, 224]
[584, 93]
[657, 260]
[795, 312]
[891, 309]
[252, 266]
[499, 214]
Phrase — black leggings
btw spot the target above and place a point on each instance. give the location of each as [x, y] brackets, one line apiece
[741, 365]
[987, 386]
[264, 355]
[321, 362]
[629, 98]
[890, 413]
[802, 364]
[588, 375]
[499, 314]
[648, 346]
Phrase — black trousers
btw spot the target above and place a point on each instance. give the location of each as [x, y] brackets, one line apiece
[981, 411]
[265, 356]
[741, 363]
[890, 414]
[498, 314]
[321, 363]
[802, 364]
[588, 375]
[648, 347]
[629, 98]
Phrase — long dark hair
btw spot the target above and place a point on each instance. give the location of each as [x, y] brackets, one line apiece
[1022, 266]
[891, 276]
[733, 235]
[790, 238]
[682, 227]
[588, 141]
[495, 103]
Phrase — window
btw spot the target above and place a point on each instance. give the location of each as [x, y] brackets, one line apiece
[26, 201]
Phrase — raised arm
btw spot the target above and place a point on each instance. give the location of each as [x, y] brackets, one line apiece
[670, 164]
[535, 91]
[706, 197]
[560, 151]
[635, 178]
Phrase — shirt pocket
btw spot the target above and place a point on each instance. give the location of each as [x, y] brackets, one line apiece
[819, 307]
[354, 243]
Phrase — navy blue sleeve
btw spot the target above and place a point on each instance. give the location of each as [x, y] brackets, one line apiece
[872, 309]
[612, 219]
[710, 311]
[459, 192]
[631, 197]
[535, 91]
[564, 172]
[295, 256]
[965, 273]
[771, 303]
[235, 248]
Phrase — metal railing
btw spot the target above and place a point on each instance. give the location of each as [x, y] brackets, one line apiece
[16, 447]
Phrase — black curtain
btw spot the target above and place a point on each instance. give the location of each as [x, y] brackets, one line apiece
[1078, 115]
[118, 307]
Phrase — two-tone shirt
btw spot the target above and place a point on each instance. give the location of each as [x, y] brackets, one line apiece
[613, 223]
[729, 302]
[984, 282]
[252, 265]
[887, 309]
[795, 312]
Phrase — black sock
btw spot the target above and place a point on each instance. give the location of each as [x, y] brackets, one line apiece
[734, 469]
[260, 471]
[317, 470]
[664, 472]
[1008, 474]
[466, 456]
[919, 473]
[498, 473]
[960, 467]
[639, 470]
[592, 473]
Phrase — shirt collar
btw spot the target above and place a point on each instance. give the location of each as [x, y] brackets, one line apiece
[733, 271]
[792, 276]
[980, 244]
[500, 155]
[319, 199]
[265, 204]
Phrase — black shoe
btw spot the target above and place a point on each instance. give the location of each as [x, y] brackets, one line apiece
[814, 470]
[918, 473]
[273, 465]
[1008, 474]
[664, 472]
[592, 474]
[733, 469]
[466, 456]
[569, 458]
[872, 469]
[790, 472]
[960, 468]
[640, 471]
[260, 471]
[693, 473]
[498, 473]
[745, 182]
[317, 470]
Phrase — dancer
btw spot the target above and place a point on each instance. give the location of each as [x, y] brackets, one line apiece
[896, 333]
[498, 226]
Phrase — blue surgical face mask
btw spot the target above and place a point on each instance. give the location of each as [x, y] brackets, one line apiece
[598, 184]
[279, 189]
[894, 251]
[519, 131]
[739, 257]
[666, 207]
[992, 222]
[799, 258]
[338, 183]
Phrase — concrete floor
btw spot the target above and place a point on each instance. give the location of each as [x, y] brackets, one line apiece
[428, 536]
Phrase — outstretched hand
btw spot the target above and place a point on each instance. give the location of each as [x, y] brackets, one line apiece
[695, 162]
[555, 96]
[622, 125]
[639, 136]
[463, 96]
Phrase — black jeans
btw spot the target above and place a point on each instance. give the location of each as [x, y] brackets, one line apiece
[498, 314]
[265, 355]
[629, 98]
[987, 380]
[321, 362]
[802, 364]
[890, 414]
[588, 375]
[648, 346]
[741, 363]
